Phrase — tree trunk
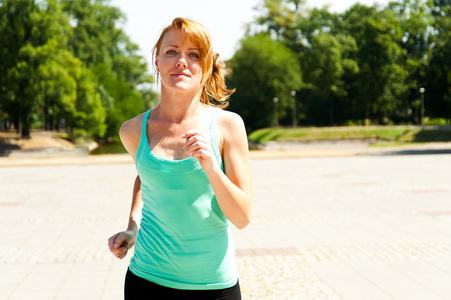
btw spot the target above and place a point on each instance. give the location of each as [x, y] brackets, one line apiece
[46, 115]
[331, 109]
[372, 113]
[25, 124]
[16, 123]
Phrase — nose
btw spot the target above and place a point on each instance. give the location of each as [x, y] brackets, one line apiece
[181, 62]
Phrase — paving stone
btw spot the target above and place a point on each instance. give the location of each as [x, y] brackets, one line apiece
[352, 227]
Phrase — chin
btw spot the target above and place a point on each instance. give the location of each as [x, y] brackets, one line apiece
[184, 86]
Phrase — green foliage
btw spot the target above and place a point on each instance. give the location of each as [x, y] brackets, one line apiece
[127, 101]
[262, 69]
[31, 70]
[376, 133]
[325, 64]
[381, 78]
[366, 65]
[438, 77]
[89, 114]
[279, 17]
[114, 59]
[109, 148]
[66, 63]
[94, 34]
[436, 121]
[97, 40]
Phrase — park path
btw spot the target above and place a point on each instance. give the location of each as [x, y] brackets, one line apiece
[342, 227]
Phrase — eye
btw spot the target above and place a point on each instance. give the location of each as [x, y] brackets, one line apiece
[194, 55]
[171, 52]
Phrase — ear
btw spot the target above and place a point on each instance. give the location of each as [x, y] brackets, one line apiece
[156, 64]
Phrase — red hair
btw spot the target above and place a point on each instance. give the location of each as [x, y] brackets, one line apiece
[213, 90]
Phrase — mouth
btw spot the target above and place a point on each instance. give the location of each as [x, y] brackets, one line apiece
[180, 75]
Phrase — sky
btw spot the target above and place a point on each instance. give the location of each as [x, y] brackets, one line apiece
[225, 20]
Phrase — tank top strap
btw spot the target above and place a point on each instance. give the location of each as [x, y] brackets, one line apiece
[214, 118]
[144, 126]
[143, 135]
[213, 137]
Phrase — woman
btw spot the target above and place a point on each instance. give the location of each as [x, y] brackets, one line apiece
[193, 177]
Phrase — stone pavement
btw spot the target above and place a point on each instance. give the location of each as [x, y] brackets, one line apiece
[342, 227]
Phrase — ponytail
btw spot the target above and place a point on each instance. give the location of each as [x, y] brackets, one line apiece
[214, 91]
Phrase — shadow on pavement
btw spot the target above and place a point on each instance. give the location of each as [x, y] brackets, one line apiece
[6, 148]
[417, 152]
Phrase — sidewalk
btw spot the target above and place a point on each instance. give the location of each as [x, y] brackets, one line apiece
[51, 158]
[357, 226]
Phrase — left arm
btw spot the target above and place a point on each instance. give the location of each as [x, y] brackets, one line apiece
[233, 189]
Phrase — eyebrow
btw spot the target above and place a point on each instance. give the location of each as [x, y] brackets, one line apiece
[175, 46]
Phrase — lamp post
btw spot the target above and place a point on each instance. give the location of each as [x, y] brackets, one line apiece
[276, 111]
[293, 108]
[422, 90]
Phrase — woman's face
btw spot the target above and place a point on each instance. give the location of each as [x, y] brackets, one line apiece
[178, 62]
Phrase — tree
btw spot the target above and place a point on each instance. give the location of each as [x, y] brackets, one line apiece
[88, 118]
[416, 40]
[51, 87]
[29, 30]
[325, 63]
[97, 40]
[278, 18]
[262, 69]
[107, 50]
[381, 79]
[438, 82]
[126, 101]
[51, 51]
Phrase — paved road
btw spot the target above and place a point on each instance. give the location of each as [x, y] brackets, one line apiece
[358, 227]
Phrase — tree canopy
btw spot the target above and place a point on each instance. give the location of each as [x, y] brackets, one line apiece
[363, 66]
[68, 64]
[263, 69]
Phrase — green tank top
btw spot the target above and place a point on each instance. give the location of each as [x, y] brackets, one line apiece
[184, 241]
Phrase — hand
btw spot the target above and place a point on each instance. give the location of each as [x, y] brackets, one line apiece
[199, 147]
[121, 242]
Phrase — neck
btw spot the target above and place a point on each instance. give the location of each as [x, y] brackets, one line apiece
[174, 107]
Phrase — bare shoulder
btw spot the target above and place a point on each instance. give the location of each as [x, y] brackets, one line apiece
[231, 128]
[230, 122]
[130, 134]
[132, 126]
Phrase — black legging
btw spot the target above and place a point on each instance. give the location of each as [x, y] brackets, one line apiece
[137, 288]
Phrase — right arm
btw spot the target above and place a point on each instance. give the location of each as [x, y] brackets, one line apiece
[121, 242]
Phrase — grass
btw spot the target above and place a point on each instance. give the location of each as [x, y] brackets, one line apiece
[382, 134]
[109, 148]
